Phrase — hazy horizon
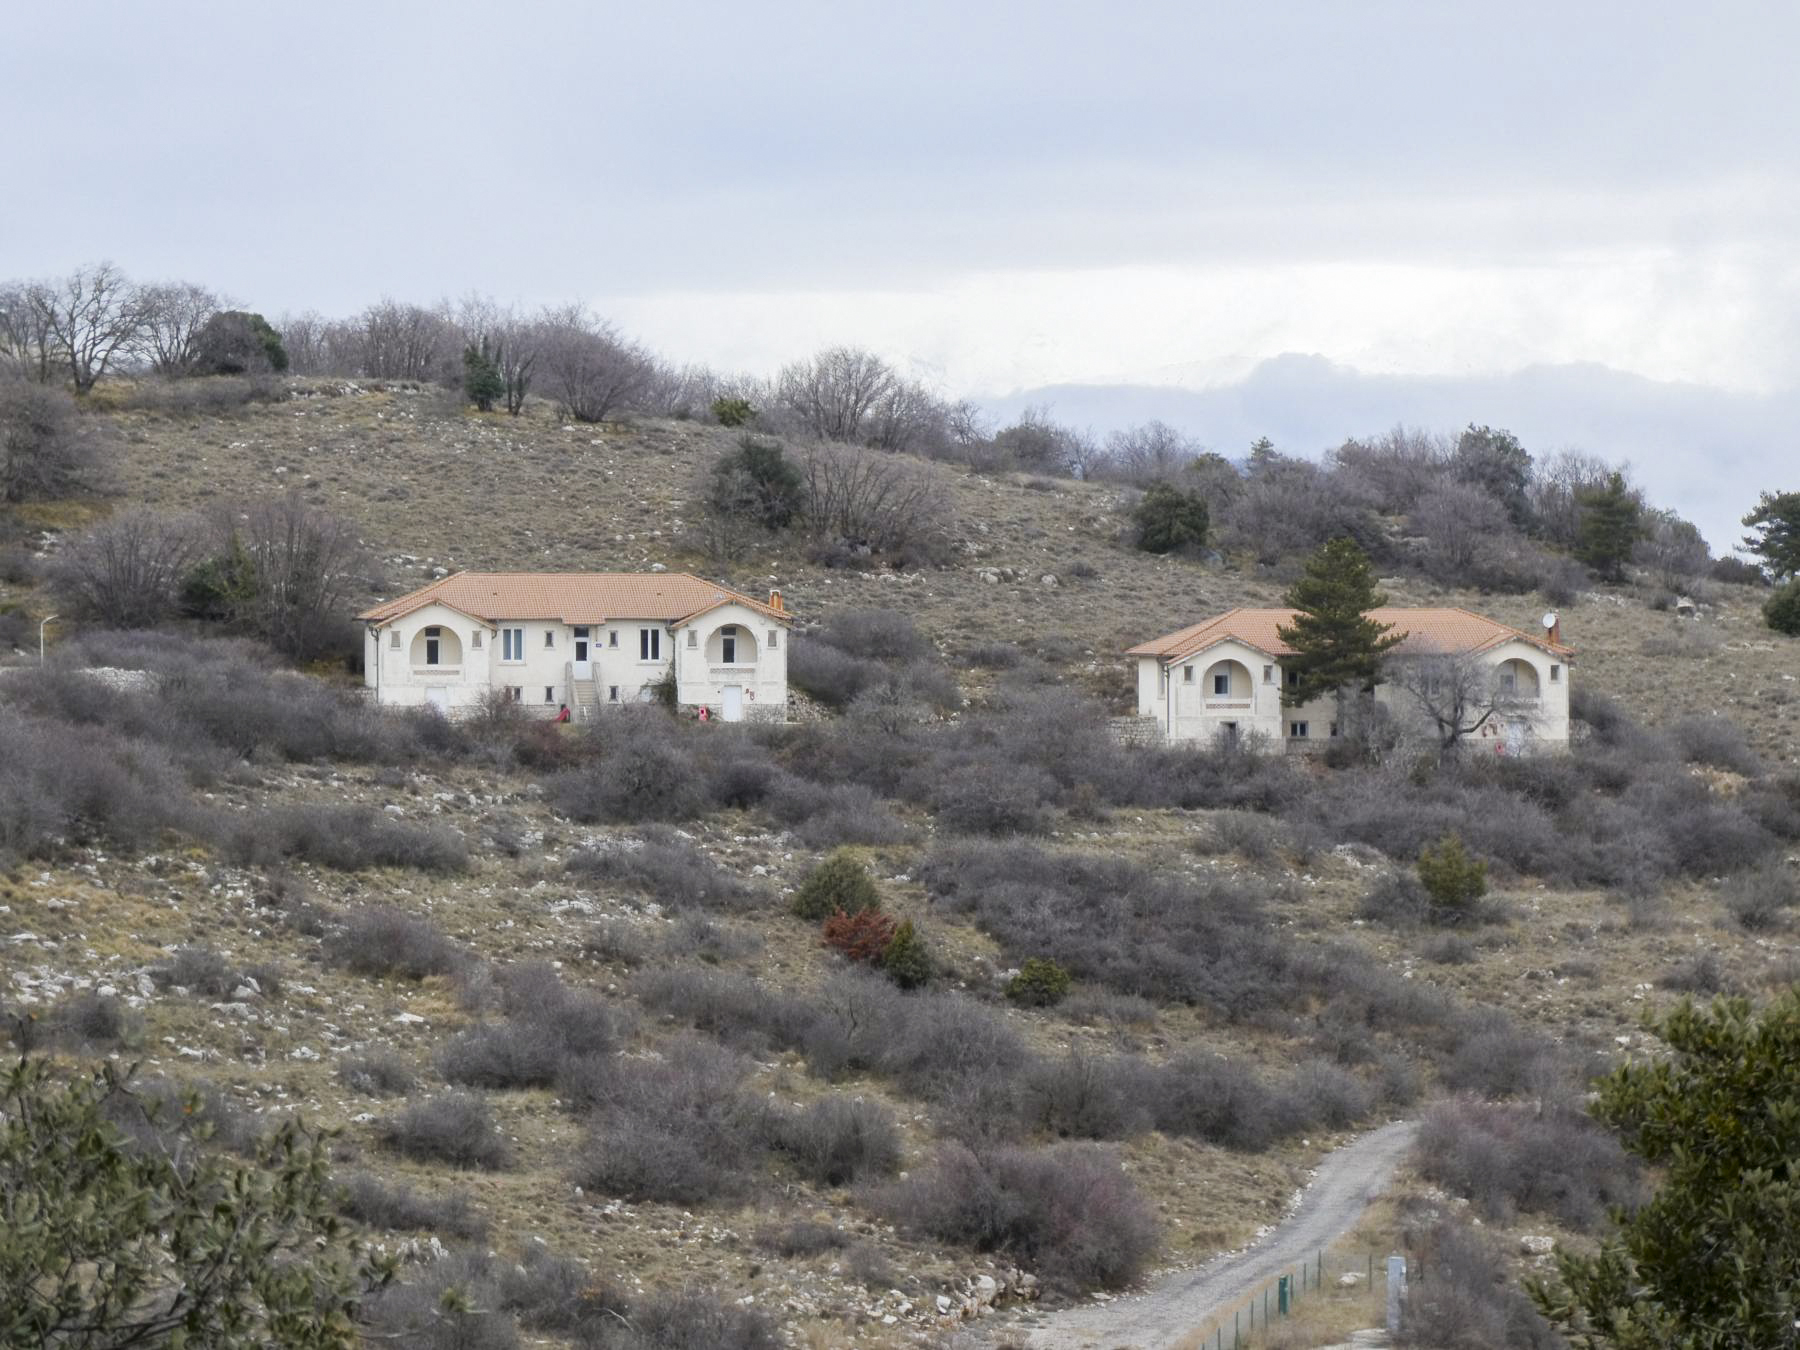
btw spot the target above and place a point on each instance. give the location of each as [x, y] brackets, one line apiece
[999, 198]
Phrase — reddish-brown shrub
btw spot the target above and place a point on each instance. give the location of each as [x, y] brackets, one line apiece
[862, 936]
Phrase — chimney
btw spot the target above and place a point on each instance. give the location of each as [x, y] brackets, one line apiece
[1553, 628]
[775, 602]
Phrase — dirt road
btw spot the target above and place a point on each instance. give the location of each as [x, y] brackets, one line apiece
[1180, 1304]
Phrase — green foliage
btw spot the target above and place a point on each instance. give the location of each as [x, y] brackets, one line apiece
[1337, 647]
[757, 482]
[1775, 533]
[1039, 984]
[906, 961]
[1713, 1260]
[733, 412]
[1169, 519]
[1611, 525]
[237, 342]
[1495, 461]
[838, 883]
[221, 586]
[1452, 878]
[1782, 610]
[482, 381]
[105, 1245]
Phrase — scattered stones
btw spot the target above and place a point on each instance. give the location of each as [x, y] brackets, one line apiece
[1537, 1245]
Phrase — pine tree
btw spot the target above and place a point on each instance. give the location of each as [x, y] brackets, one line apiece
[1337, 647]
[482, 381]
[1775, 533]
[1610, 525]
[1169, 519]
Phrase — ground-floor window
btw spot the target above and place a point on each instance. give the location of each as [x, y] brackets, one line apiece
[1297, 730]
[515, 693]
[549, 693]
[612, 693]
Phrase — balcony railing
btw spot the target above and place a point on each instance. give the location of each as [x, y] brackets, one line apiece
[727, 672]
[422, 671]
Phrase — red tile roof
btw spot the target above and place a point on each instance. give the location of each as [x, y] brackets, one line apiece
[1424, 631]
[571, 597]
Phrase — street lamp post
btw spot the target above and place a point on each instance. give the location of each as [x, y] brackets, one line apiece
[41, 627]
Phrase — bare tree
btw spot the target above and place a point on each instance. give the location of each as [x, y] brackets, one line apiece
[303, 337]
[864, 499]
[589, 369]
[513, 344]
[909, 417]
[1462, 523]
[1458, 692]
[173, 315]
[301, 564]
[26, 347]
[126, 571]
[833, 393]
[47, 449]
[1036, 444]
[407, 342]
[91, 316]
[1558, 483]
[1672, 549]
[1394, 470]
[1153, 452]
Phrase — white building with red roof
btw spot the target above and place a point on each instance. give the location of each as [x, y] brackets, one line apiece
[587, 640]
[1222, 680]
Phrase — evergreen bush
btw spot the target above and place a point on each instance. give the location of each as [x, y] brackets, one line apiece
[1039, 984]
[1453, 879]
[907, 961]
[838, 883]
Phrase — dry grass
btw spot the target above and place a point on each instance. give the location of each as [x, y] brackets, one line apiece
[430, 485]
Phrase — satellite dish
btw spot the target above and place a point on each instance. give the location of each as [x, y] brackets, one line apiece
[1550, 619]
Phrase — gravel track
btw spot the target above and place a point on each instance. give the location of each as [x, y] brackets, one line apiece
[1180, 1304]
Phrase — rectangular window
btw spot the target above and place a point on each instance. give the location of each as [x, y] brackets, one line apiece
[693, 638]
[432, 647]
[581, 632]
[612, 693]
[1222, 683]
[549, 693]
[1293, 679]
[512, 644]
[728, 645]
[612, 638]
[549, 637]
[1555, 674]
[1187, 674]
[774, 638]
[1297, 730]
[475, 641]
[394, 639]
[516, 693]
[1268, 674]
[1334, 730]
[649, 644]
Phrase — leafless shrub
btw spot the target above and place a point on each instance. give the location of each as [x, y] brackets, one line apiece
[376, 1073]
[1507, 1159]
[1716, 741]
[1469, 1303]
[678, 1129]
[864, 499]
[199, 970]
[616, 940]
[1084, 1097]
[840, 1140]
[288, 569]
[1499, 1059]
[1759, 900]
[388, 941]
[448, 1304]
[455, 1128]
[87, 1020]
[348, 838]
[802, 1237]
[1702, 973]
[173, 315]
[550, 1026]
[666, 867]
[1068, 1212]
[126, 571]
[588, 369]
[648, 772]
[397, 1206]
[46, 448]
[834, 394]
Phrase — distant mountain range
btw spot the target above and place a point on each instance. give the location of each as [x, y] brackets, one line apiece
[1702, 451]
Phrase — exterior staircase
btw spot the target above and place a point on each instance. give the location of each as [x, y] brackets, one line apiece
[587, 699]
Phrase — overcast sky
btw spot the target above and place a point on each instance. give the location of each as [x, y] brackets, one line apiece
[995, 196]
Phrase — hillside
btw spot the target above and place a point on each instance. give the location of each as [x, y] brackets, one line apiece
[694, 959]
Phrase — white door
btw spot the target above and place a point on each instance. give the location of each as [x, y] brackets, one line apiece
[734, 703]
[584, 665]
[438, 697]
